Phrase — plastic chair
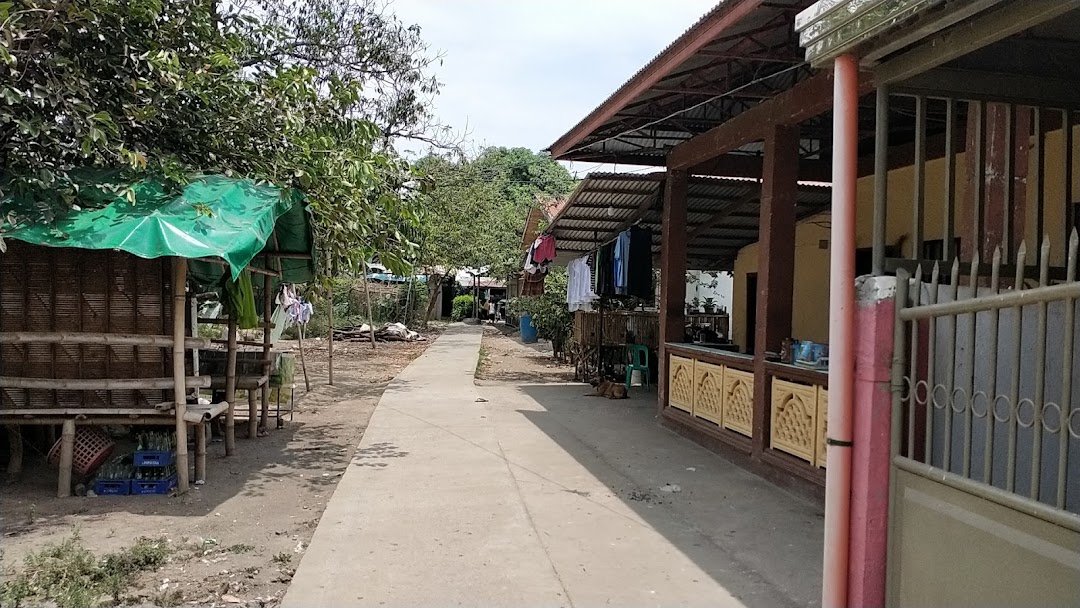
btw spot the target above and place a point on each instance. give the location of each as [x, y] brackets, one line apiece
[638, 359]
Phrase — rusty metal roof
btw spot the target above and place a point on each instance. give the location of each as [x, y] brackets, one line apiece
[738, 54]
[722, 214]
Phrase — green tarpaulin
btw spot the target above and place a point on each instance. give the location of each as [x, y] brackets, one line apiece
[213, 217]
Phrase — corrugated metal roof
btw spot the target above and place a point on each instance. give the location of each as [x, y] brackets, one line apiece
[736, 55]
[603, 204]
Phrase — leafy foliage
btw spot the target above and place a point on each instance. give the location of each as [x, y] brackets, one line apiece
[474, 209]
[550, 315]
[462, 308]
[273, 89]
[71, 576]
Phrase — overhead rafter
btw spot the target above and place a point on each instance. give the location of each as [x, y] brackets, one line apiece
[1012, 18]
[722, 214]
[805, 100]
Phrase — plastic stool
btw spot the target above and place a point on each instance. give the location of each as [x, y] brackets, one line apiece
[638, 358]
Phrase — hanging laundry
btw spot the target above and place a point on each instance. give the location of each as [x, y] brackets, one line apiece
[605, 270]
[579, 292]
[622, 261]
[541, 254]
[240, 300]
[545, 249]
[639, 267]
[533, 284]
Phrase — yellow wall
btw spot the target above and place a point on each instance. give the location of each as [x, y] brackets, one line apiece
[810, 302]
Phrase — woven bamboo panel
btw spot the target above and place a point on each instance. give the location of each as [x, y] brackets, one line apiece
[681, 383]
[794, 419]
[643, 327]
[57, 289]
[822, 423]
[739, 401]
[709, 392]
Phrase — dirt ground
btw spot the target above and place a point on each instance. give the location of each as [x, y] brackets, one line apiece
[503, 358]
[239, 537]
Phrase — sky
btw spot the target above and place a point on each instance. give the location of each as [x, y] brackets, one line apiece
[523, 72]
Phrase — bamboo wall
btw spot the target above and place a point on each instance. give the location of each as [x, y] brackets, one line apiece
[58, 289]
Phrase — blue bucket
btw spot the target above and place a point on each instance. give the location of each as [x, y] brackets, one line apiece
[528, 330]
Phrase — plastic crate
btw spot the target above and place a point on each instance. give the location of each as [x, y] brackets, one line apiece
[154, 458]
[92, 448]
[112, 487]
[153, 486]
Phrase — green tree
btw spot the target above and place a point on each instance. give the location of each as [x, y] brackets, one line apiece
[268, 90]
[474, 209]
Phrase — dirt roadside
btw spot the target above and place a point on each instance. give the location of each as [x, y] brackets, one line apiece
[503, 358]
[237, 539]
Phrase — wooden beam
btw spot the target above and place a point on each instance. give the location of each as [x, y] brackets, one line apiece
[100, 384]
[1012, 18]
[643, 207]
[1018, 89]
[61, 337]
[723, 214]
[801, 102]
[741, 165]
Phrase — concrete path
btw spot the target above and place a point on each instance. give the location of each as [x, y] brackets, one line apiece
[541, 497]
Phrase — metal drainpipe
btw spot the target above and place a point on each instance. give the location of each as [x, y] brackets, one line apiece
[834, 588]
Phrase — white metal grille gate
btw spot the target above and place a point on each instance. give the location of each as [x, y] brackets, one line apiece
[985, 475]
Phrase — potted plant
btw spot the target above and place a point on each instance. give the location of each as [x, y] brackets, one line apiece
[695, 304]
[710, 305]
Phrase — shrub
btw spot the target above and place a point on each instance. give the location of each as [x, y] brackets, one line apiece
[549, 313]
[463, 308]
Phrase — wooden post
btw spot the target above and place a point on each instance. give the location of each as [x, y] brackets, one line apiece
[253, 414]
[67, 454]
[201, 429]
[179, 313]
[303, 364]
[776, 265]
[230, 389]
[200, 453]
[268, 302]
[330, 344]
[15, 453]
[371, 318]
[672, 272]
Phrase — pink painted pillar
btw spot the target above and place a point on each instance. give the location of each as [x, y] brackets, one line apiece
[872, 418]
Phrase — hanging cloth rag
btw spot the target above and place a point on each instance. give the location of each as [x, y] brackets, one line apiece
[240, 300]
[545, 249]
[639, 267]
[579, 292]
[622, 262]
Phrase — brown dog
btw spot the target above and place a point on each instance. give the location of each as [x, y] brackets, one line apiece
[609, 389]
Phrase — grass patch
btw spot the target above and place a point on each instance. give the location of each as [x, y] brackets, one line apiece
[241, 548]
[282, 558]
[70, 575]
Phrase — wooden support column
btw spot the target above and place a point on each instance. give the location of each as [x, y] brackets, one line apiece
[15, 453]
[253, 414]
[672, 272]
[230, 389]
[776, 262]
[179, 313]
[200, 453]
[268, 302]
[67, 456]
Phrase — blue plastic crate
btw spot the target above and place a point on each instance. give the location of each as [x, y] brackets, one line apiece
[153, 486]
[154, 458]
[112, 487]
